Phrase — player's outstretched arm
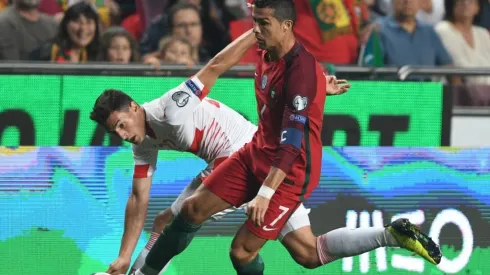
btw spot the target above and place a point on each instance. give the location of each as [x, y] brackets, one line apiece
[134, 220]
[226, 59]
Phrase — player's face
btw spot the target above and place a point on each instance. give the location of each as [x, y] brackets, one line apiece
[269, 32]
[129, 124]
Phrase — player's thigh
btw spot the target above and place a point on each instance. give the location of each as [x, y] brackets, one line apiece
[232, 181]
[297, 220]
[188, 191]
[226, 186]
[281, 206]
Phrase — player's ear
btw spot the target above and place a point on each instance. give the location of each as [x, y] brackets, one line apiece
[133, 106]
[287, 25]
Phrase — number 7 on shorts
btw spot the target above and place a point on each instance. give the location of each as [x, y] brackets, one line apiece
[284, 211]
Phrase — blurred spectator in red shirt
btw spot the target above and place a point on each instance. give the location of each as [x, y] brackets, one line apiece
[331, 29]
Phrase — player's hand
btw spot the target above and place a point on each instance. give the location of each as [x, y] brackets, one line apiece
[336, 87]
[119, 266]
[256, 209]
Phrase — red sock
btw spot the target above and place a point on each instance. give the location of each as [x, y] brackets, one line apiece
[153, 238]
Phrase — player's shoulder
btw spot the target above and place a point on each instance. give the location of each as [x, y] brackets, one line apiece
[154, 108]
[300, 59]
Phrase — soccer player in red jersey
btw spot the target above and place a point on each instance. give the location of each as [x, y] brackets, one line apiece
[280, 167]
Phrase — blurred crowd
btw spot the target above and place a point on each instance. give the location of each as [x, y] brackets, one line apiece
[340, 32]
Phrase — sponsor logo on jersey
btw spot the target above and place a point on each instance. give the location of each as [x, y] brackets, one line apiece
[195, 90]
[300, 102]
[298, 118]
[264, 82]
[181, 98]
[273, 94]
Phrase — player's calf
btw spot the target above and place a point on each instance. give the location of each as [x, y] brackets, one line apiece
[179, 233]
[302, 246]
[244, 253]
[161, 220]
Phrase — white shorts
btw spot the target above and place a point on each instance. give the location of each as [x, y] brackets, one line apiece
[297, 220]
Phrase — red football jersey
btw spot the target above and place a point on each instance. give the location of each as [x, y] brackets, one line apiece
[290, 97]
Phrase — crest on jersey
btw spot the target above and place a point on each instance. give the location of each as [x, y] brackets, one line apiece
[264, 82]
[273, 94]
[181, 98]
[300, 102]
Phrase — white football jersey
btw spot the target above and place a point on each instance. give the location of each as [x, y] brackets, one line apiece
[183, 119]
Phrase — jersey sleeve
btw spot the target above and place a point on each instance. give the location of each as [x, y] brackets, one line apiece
[180, 102]
[145, 161]
[300, 90]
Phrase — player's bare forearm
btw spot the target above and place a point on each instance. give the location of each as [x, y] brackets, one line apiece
[227, 58]
[133, 225]
[275, 177]
[135, 215]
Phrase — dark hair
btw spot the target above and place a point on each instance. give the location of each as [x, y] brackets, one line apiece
[283, 9]
[449, 10]
[178, 7]
[109, 101]
[73, 13]
[106, 40]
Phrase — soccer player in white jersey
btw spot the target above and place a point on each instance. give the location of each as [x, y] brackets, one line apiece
[183, 119]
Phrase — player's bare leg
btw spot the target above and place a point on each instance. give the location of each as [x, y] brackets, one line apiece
[244, 252]
[161, 220]
[312, 252]
[179, 233]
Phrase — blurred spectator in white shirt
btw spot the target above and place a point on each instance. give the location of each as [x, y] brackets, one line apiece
[469, 45]
[431, 11]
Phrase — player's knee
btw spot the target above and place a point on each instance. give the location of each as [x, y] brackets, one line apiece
[307, 257]
[307, 261]
[240, 254]
[190, 211]
[162, 219]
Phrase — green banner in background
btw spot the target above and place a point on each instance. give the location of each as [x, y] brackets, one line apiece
[30, 109]
[372, 113]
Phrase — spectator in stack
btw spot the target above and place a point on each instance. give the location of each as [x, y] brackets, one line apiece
[176, 50]
[23, 28]
[407, 41]
[430, 11]
[77, 40]
[108, 10]
[332, 30]
[468, 45]
[183, 19]
[117, 45]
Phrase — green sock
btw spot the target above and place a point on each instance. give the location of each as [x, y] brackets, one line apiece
[174, 239]
[255, 267]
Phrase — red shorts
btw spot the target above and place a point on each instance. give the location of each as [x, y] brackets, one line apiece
[235, 182]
